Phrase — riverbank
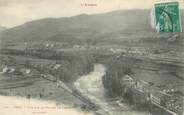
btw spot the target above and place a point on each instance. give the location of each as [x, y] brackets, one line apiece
[91, 86]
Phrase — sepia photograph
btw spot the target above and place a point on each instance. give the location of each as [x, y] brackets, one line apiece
[91, 57]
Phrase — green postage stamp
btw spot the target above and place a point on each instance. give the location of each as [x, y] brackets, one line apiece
[167, 17]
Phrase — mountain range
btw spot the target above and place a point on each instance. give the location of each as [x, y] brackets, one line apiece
[2, 28]
[111, 24]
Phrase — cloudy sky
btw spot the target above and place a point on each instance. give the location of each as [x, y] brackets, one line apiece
[16, 12]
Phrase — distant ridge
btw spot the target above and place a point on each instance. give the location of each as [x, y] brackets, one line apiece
[2, 28]
[84, 26]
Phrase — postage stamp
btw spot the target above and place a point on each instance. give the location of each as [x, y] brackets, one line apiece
[167, 17]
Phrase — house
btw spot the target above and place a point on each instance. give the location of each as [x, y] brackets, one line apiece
[128, 80]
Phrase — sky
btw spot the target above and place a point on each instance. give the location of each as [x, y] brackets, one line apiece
[17, 12]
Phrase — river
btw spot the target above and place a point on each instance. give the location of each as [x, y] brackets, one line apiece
[91, 86]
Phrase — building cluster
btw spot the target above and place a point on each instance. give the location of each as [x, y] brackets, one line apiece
[170, 102]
